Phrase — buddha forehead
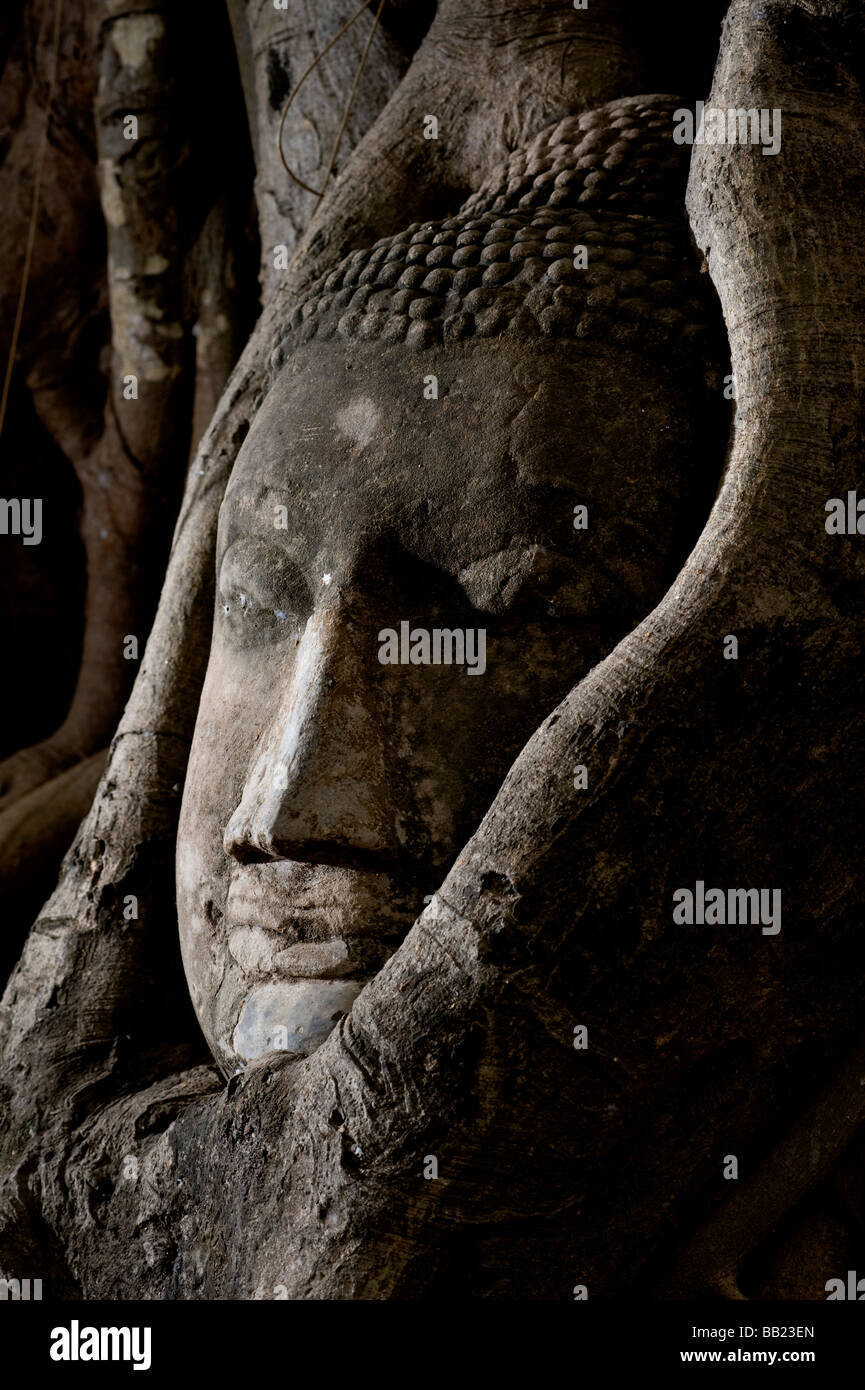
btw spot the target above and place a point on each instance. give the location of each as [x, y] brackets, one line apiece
[359, 445]
[550, 338]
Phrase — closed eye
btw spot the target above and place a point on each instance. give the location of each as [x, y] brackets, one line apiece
[262, 594]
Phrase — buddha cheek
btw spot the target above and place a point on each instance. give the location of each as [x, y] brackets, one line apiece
[457, 734]
[227, 728]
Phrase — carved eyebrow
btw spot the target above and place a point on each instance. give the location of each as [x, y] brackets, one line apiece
[261, 510]
[496, 581]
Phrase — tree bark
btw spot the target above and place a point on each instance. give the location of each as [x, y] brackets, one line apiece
[158, 317]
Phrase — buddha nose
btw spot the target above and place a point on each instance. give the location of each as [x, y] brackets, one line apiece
[323, 787]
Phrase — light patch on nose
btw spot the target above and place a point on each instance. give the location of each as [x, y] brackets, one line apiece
[358, 421]
[309, 673]
[269, 779]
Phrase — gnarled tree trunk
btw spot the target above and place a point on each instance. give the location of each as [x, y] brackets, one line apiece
[133, 1166]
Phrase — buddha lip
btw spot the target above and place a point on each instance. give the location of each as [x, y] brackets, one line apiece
[264, 953]
[297, 906]
[277, 918]
[248, 906]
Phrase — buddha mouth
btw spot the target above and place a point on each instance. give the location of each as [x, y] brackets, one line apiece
[279, 909]
[314, 921]
[305, 939]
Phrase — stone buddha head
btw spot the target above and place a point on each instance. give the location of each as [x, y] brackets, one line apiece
[481, 458]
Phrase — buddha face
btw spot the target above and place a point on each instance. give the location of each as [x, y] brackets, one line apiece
[406, 586]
